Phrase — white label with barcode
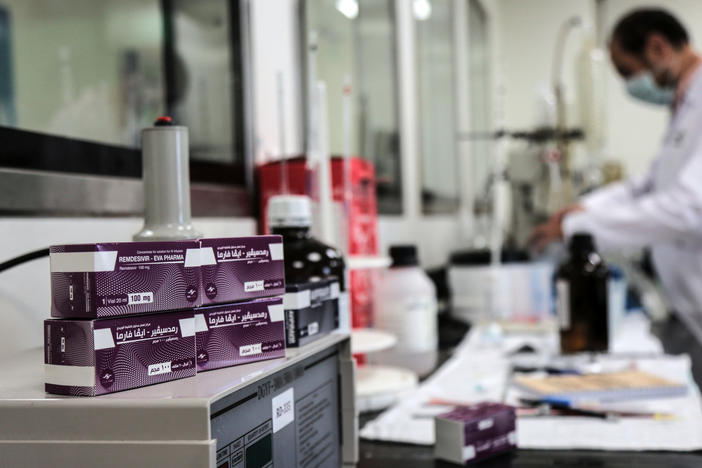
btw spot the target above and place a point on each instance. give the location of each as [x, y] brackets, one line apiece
[468, 453]
[313, 328]
[283, 410]
[485, 424]
[563, 303]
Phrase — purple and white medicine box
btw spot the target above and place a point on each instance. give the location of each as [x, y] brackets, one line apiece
[94, 357]
[241, 268]
[125, 278]
[472, 433]
[233, 334]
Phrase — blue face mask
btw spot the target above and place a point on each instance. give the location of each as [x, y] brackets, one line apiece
[642, 86]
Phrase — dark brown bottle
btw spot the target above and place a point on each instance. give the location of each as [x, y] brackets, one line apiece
[581, 298]
[306, 258]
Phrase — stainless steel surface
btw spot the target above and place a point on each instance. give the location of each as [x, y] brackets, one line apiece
[25, 192]
[166, 175]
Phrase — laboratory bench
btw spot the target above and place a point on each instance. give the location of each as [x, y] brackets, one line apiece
[249, 414]
[675, 338]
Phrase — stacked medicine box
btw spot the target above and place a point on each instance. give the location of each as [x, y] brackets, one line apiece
[131, 314]
[311, 311]
[241, 318]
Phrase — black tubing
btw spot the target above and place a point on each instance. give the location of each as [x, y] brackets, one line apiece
[24, 259]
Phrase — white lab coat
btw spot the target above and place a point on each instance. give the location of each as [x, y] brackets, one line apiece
[661, 210]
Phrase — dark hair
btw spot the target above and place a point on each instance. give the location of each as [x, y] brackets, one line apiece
[633, 29]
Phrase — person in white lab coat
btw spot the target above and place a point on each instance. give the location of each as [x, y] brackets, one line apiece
[662, 210]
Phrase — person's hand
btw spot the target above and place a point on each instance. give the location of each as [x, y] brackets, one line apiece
[551, 230]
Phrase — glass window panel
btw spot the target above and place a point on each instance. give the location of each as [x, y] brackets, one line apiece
[435, 62]
[84, 69]
[100, 71]
[479, 89]
[203, 93]
[361, 45]
[377, 99]
[336, 52]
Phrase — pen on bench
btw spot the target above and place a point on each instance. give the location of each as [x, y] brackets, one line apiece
[550, 370]
[565, 406]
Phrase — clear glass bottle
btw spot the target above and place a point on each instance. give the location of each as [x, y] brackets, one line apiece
[581, 298]
[405, 305]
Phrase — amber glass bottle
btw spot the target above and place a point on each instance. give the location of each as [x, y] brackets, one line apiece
[306, 259]
[581, 298]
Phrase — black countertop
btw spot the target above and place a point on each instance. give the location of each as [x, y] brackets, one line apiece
[676, 339]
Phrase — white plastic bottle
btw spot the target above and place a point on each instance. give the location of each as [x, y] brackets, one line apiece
[405, 305]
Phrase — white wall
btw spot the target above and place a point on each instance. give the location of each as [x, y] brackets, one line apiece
[528, 31]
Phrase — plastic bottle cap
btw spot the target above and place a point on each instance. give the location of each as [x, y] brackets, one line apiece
[404, 255]
[289, 211]
[582, 242]
[163, 121]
